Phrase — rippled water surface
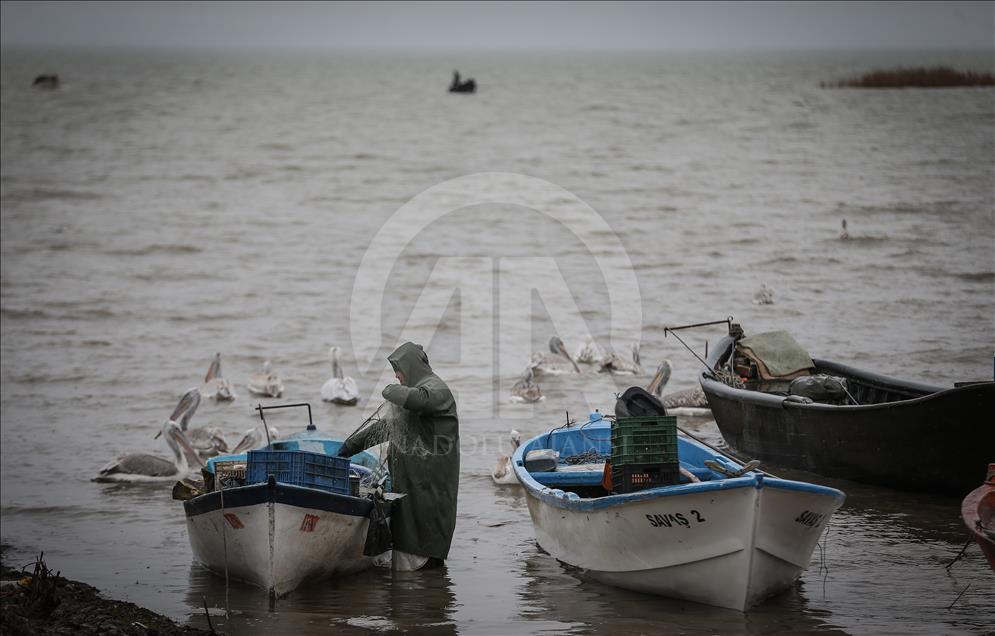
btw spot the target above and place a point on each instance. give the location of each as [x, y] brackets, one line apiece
[159, 207]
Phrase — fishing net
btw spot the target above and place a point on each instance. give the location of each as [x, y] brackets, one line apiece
[728, 378]
[389, 426]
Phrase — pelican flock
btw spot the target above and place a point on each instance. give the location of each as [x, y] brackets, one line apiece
[265, 383]
[144, 467]
[503, 474]
[690, 402]
[208, 441]
[660, 378]
[556, 361]
[614, 363]
[215, 385]
[339, 389]
[589, 353]
[255, 438]
[764, 295]
[526, 389]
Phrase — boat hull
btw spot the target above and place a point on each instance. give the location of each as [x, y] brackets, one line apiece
[727, 542]
[276, 536]
[978, 512]
[731, 547]
[939, 442]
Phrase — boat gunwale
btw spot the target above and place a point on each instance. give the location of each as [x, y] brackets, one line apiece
[970, 509]
[281, 493]
[571, 501]
[760, 398]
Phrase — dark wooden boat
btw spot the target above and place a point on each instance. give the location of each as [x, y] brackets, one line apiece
[978, 512]
[469, 86]
[462, 86]
[901, 434]
[50, 80]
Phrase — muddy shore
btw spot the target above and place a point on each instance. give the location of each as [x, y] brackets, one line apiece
[36, 600]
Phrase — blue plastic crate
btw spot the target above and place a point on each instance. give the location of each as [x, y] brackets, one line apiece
[299, 468]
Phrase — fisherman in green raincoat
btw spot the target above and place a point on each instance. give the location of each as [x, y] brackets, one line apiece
[423, 460]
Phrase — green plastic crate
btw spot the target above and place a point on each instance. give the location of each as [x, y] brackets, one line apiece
[644, 440]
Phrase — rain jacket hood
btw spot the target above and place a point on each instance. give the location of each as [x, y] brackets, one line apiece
[412, 361]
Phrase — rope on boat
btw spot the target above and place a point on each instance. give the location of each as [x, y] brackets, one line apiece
[722, 452]
[951, 606]
[590, 456]
[708, 369]
[207, 613]
[823, 566]
[224, 543]
[960, 554]
[567, 424]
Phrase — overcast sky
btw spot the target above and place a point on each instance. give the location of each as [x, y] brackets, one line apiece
[514, 25]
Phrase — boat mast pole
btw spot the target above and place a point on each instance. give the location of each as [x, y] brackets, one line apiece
[728, 322]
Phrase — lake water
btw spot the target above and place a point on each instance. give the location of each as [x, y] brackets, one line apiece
[161, 206]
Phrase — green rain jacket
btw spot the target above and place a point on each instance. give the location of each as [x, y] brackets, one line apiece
[423, 457]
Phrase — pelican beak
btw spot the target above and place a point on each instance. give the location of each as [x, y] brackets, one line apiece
[180, 437]
[660, 379]
[243, 444]
[562, 350]
[220, 443]
[214, 371]
[655, 385]
[185, 404]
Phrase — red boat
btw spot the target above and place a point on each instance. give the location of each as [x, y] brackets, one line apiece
[978, 511]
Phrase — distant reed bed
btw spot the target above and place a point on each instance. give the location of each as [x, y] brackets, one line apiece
[936, 77]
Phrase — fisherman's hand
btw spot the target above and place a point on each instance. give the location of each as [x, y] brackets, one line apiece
[394, 393]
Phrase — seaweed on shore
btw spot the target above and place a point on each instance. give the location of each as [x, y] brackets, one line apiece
[935, 77]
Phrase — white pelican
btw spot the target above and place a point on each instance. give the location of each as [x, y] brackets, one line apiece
[142, 467]
[254, 438]
[207, 440]
[222, 390]
[503, 474]
[689, 402]
[526, 390]
[555, 361]
[764, 295]
[614, 363]
[339, 389]
[589, 353]
[265, 383]
[660, 378]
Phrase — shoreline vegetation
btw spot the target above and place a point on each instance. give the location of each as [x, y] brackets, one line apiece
[35, 600]
[935, 77]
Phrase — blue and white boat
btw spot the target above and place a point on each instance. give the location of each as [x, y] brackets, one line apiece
[274, 534]
[723, 541]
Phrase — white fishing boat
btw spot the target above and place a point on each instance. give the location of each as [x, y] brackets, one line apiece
[267, 526]
[731, 539]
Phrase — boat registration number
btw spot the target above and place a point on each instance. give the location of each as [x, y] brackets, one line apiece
[673, 520]
[810, 519]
